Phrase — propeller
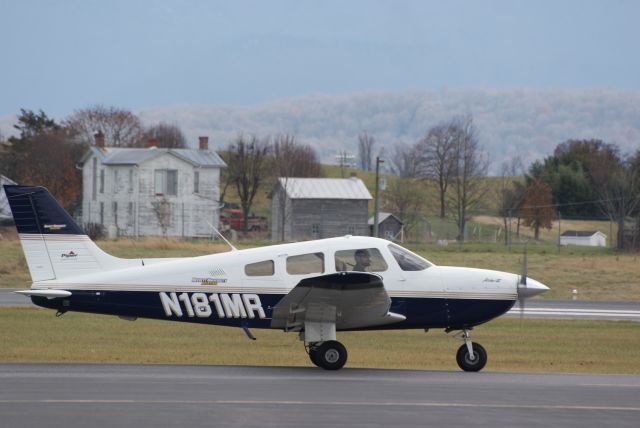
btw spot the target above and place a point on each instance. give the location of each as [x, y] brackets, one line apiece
[522, 284]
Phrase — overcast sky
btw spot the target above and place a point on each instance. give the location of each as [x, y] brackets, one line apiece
[64, 55]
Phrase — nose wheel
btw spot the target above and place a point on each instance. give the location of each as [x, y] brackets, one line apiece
[471, 357]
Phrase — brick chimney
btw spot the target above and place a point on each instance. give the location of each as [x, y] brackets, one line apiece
[204, 143]
[99, 139]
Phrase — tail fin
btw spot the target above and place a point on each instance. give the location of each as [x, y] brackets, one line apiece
[54, 245]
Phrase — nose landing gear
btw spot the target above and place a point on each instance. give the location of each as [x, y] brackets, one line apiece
[471, 357]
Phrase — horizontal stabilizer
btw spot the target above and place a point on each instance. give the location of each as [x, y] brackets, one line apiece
[48, 293]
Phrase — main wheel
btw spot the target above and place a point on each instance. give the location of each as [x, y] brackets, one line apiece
[313, 356]
[471, 365]
[331, 355]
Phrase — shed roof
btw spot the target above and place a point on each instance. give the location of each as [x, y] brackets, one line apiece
[382, 216]
[136, 156]
[581, 233]
[324, 188]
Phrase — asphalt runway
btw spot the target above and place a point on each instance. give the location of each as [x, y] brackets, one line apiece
[80, 395]
[536, 308]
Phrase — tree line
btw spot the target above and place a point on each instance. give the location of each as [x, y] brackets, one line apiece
[585, 179]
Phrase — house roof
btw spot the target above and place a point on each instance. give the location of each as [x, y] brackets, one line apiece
[382, 216]
[324, 188]
[136, 156]
[581, 233]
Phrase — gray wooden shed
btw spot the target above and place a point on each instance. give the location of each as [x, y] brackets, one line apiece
[389, 226]
[314, 208]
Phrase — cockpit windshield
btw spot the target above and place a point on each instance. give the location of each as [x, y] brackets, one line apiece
[407, 260]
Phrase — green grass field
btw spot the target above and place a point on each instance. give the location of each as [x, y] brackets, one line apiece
[36, 335]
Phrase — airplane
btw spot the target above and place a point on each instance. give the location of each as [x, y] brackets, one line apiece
[310, 288]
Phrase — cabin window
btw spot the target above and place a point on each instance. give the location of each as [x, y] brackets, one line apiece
[102, 181]
[305, 263]
[264, 268]
[407, 260]
[360, 260]
[166, 182]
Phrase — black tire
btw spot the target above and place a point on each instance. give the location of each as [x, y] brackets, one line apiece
[466, 363]
[313, 356]
[331, 355]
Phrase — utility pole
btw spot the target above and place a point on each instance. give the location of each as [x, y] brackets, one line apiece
[376, 209]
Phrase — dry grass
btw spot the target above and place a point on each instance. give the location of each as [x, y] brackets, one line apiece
[551, 235]
[35, 335]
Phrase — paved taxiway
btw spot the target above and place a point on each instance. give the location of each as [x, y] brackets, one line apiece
[81, 395]
[537, 308]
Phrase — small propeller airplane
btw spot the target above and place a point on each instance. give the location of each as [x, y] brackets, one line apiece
[314, 288]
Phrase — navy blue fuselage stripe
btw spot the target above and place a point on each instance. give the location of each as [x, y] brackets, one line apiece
[420, 312]
[35, 210]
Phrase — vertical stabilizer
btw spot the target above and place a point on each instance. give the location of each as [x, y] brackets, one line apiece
[54, 245]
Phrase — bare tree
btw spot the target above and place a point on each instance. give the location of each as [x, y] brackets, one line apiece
[164, 135]
[509, 192]
[618, 187]
[437, 156]
[365, 150]
[162, 209]
[470, 166]
[405, 161]
[120, 127]
[248, 166]
[291, 160]
[404, 199]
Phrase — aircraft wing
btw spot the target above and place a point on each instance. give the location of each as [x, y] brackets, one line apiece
[348, 299]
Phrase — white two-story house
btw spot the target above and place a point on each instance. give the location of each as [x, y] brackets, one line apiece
[151, 191]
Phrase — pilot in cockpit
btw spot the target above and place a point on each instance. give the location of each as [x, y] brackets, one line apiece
[363, 261]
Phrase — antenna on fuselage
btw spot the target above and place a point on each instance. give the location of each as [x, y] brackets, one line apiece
[222, 236]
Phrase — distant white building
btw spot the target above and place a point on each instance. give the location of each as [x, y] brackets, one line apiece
[587, 238]
[151, 191]
[5, 211]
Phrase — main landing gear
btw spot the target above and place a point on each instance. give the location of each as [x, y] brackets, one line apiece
[471, 357]
[329, 355]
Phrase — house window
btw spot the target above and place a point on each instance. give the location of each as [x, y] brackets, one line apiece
[166, 182]
[315, 230]
[102, 181]
[115, 213]
[196, 182]
[130, 180]
[94, 186]
[351, 229]
[115, 181]
[101, 212]
[305, 263]
[130, 213]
